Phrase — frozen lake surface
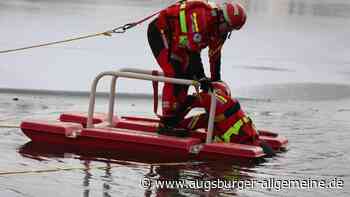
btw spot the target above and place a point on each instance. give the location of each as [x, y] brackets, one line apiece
[290, 67]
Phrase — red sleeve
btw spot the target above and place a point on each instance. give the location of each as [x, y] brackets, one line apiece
[195, 68]
[215, 47]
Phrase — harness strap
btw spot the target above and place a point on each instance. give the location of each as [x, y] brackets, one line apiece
[194, 22]
[183, 40]
[228, 112]
[232, 110]
[183, 23]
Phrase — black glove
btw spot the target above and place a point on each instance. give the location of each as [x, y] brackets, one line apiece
[205, 84]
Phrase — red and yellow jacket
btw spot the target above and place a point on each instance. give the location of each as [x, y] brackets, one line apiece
[191, 26]
[231, 123]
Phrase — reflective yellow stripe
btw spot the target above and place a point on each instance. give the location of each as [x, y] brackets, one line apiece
[232, 130]
[221, 98]
[235, 129]
[183, 40]
[195, 23]
[194, 121]
[183, 24]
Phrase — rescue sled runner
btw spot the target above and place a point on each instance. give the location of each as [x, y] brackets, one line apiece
[106, 131]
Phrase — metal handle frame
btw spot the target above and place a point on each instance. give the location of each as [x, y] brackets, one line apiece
[141, 74]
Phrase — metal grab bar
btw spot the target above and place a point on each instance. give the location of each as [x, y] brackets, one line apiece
[140, 71]
[113, 86]
[142, 75]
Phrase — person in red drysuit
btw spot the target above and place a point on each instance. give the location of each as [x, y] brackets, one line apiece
[177, 37]
[231, 123]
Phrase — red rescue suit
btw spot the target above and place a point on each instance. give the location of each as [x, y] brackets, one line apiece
[176, 38]
[228, 114]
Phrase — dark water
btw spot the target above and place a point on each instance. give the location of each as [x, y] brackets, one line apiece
[289, 66]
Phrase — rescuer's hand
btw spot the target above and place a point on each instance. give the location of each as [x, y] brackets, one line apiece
[205, 84]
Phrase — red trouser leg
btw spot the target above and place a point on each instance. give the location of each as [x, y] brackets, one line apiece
[169, 100]
[173, 95]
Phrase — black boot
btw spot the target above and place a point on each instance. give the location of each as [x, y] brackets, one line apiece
[171, 131]
[267, 149]
[167, 126]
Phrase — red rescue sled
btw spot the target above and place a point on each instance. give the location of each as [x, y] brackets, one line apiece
[105, 131]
